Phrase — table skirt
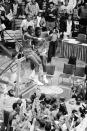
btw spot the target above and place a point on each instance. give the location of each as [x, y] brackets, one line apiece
[71, 49]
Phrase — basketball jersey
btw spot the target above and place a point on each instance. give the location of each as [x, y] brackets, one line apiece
[27, 48]
[38, 45]
[26, 42]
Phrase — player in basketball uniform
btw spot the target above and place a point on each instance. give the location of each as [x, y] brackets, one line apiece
[41, 50]
[29, 53]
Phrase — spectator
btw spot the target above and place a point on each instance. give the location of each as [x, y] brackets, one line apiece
[30, 54]
[42, 22]
[7, 7]
[75, 119]
[5, 20]
[32, 7]
[38, 19]
[51, 16]
[1, 7]
[69, 27]
[15, 9]
[14, 12]
[78, 92]
[39, 46]
[64, 7]
[83, 14]
[62, 123]
[52, 45]
[83, 18]
[72, 4]
[16, 109]
[62, 107]
[13, 115]
[68, 6]
[74, 92]
[81, 92]
[26, 22]
[8, 13]
[21, 9]
[44, 5]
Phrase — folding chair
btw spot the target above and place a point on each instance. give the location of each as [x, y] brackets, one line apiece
[72, 60]
[67, 72]
[50, 69]
[79, 76]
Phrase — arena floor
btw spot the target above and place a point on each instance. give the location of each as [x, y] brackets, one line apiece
[53, 88]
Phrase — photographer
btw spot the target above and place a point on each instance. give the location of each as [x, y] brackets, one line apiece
[75, 119]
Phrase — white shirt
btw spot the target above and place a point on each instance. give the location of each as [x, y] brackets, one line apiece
[69, 8]
[38, 21]
[72, 4]
[54, 37]
[32, 8]
[69, 27]
[15, 6]
[26, 23]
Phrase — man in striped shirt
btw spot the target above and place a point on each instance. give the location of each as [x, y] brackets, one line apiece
[32, 7]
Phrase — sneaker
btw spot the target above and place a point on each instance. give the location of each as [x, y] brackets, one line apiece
[45, 79]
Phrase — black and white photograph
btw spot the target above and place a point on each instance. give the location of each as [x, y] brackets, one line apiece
[43, 65]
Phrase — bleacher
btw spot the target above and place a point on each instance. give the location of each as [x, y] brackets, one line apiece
[11, 37]
[18, 23]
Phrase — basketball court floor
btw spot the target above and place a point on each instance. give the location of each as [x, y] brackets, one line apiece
[54, 87]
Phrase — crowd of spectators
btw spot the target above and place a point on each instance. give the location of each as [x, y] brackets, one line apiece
[44, 112]
[47, 12]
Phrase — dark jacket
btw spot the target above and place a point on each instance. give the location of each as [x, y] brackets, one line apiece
[48, 16]
[63, 26]
[83, 15]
